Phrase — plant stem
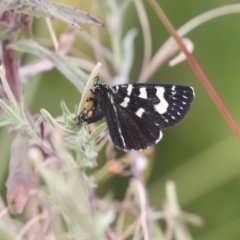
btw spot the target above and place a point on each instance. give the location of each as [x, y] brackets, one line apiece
[206, 83]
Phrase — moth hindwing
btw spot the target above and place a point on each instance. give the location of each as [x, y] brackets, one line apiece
[136, 114]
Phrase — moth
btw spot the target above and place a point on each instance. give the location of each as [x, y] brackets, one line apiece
[136, 114]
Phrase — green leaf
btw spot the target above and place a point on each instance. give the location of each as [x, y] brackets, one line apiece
[68, 68]
[89, 84]
[19, 180]
[65, 108]
[7, 109]
[95, 44]
[98, 147]
[5, 232]
[7, 88]
[5, 122]
[68, 117]
[5, 30]
[71, 194]
[79, 16]
[158, 233]
[44, 8]
[128, 51]
[56, 124]
[97, 132]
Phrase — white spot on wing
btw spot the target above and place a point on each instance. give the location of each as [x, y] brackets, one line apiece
[129, 89]
[160, 137]
[163, 105]
[125, 102]
[143, 92]
[111, 98]
[173, 88]
[115, 110]
[193, 91]
[140, 112]
[120, 133]
[119, 129]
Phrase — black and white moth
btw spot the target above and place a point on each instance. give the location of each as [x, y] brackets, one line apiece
[136, 114]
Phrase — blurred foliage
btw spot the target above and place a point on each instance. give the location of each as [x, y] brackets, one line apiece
[66, 182]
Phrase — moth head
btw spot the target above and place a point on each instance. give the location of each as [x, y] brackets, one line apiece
[88, 109]
[93, 109]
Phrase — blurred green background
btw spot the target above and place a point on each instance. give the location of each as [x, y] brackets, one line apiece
[202, 154]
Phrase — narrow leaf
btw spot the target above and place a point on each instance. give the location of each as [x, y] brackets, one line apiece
[56, 124]
[20, 176]
[5, 30]
[68, 68]
[97, 132]
[44, 8]
[79, 16]
[89, 84]
[128, 51]
[7, 88]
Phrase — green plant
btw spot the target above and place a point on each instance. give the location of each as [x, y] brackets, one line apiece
[49, 182]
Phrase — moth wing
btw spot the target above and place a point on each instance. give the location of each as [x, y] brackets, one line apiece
[163, 105]
[128, 131]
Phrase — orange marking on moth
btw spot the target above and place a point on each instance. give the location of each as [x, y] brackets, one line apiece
[91, 94]
[90, 114]
[88, 105]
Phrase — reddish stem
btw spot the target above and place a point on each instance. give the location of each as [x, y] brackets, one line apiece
[218, 101]
[11, 63]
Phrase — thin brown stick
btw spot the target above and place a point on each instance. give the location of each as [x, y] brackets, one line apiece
[11, 62]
